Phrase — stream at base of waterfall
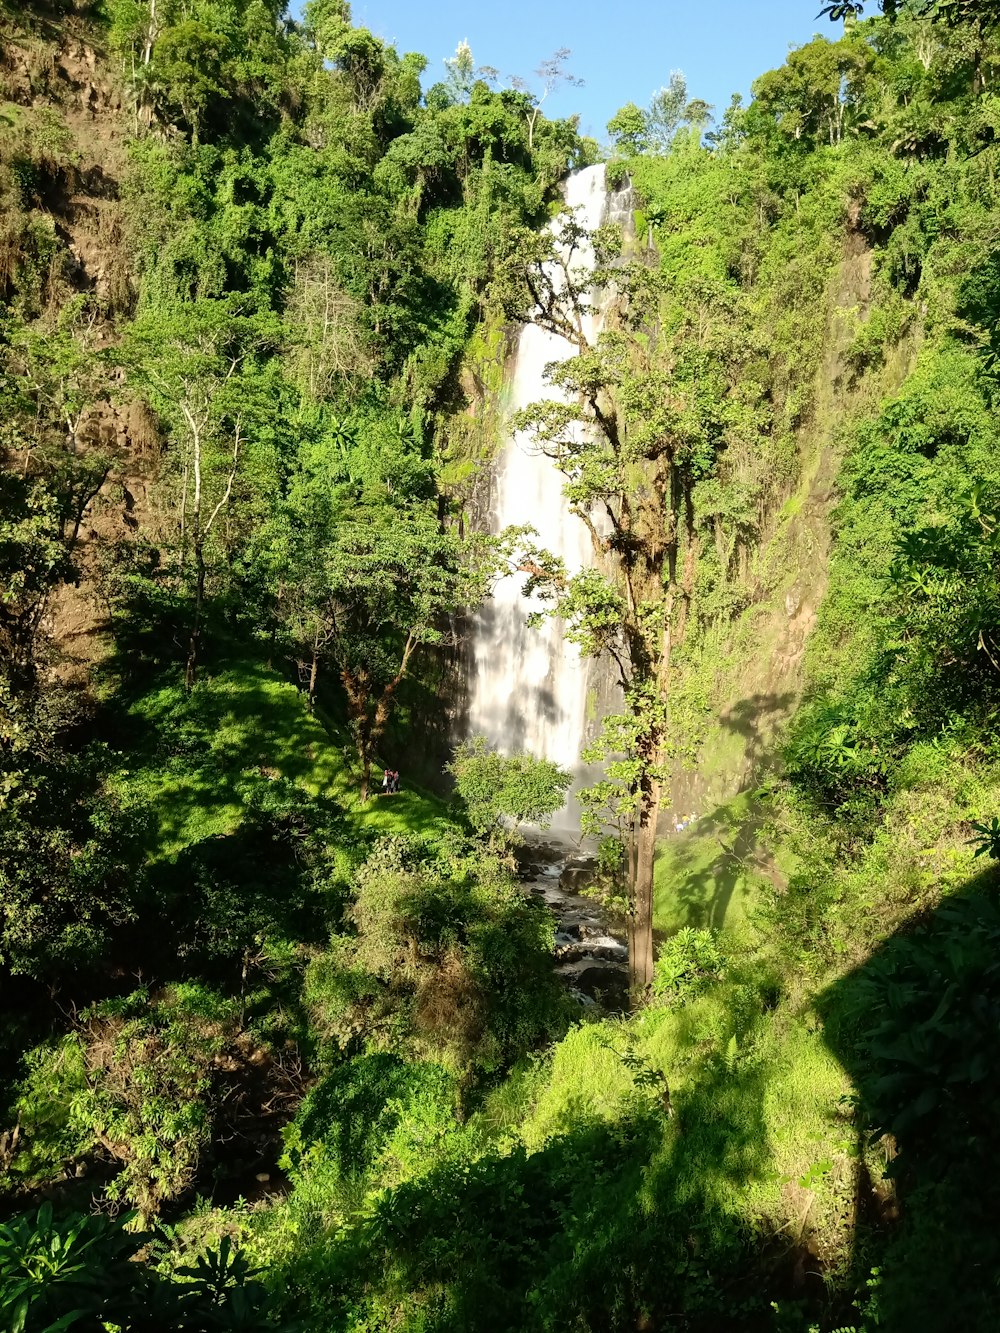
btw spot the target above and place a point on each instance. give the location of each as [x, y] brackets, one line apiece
[591, 957]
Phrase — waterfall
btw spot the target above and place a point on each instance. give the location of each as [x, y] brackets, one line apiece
[530, 686]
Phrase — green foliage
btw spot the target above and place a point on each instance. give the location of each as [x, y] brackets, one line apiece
[68, 848]
[627, 128]
[916, 1027]
[504, 791]
[687, 964]
[815, 96]
[986, 838]
[152, 1071]
[448, 958]
[925, 1012]
[80, 1271]
[363, 570]
[58, 1273]
[949, 11]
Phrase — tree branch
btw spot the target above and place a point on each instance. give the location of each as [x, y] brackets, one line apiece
[229, 484]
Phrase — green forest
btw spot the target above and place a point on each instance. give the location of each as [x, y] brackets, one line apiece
[281, 1051]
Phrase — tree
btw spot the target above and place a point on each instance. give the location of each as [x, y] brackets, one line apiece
[550, 74]
[502, 792]
[666, 111]
[813, 94]
[461, 69]
[980, 17]
[188, 63]
[698, 114]
[635, 131]
[947, 577]
[448, 957]
[625, 445]
[395, 577]
[364, 571]
[52, 385]
[155, 1075]
[33, 559]
[628, 128]
[329, 343]
[981, 13]
[194, 362]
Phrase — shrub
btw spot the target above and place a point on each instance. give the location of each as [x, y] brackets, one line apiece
[688, 964]
[85, 1272]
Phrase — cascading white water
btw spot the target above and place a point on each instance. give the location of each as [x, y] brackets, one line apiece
[530, 686]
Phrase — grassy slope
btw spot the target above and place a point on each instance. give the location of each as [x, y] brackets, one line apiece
[191, 757]
[705, 875]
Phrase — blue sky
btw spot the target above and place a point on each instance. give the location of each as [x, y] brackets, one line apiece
[624, 52]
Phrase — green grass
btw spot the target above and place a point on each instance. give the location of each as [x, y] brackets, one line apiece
[760, 1130]
[194, 757]
[706, 876]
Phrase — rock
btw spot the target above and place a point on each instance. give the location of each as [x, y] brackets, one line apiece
[575, 878]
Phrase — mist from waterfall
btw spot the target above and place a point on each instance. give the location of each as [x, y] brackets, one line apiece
[530, 686]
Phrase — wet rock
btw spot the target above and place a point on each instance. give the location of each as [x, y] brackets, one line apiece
[588, 956]
[575, 878]
[607, 986]
[568, 932]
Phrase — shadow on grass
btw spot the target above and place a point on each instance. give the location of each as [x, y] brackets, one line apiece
[917, 1027]
[194, 758]
[754, 720]
[649, 1222]
[636, 1223]
[703, 875]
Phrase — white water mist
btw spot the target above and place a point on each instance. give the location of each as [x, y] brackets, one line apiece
[529, 689]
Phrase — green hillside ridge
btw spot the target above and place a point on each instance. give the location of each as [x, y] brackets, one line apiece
[278, 1056]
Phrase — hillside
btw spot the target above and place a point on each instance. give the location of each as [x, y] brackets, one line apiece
[286, 1050]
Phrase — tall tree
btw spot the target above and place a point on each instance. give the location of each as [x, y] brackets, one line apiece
[666, 111]
[365, 573]
[196, 365]
[619, 436]
[550, 74]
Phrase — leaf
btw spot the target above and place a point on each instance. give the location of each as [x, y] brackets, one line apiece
[65, 1321]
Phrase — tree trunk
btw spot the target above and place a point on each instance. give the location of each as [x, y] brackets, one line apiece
[313, 672]
[200, 535]
[191, 666]
[531, 129]
[358, 696]
[640, 927]
[370, 723]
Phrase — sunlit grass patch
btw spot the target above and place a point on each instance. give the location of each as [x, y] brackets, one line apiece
[196, 755]
[706, 875]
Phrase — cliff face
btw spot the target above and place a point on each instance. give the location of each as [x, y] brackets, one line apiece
[747, 668]
[67, 269]
[63, 141]
[753, 668]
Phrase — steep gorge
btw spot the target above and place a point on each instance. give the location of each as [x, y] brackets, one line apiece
[261, 329]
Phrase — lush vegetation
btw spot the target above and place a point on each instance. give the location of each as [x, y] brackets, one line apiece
[279, 1053]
